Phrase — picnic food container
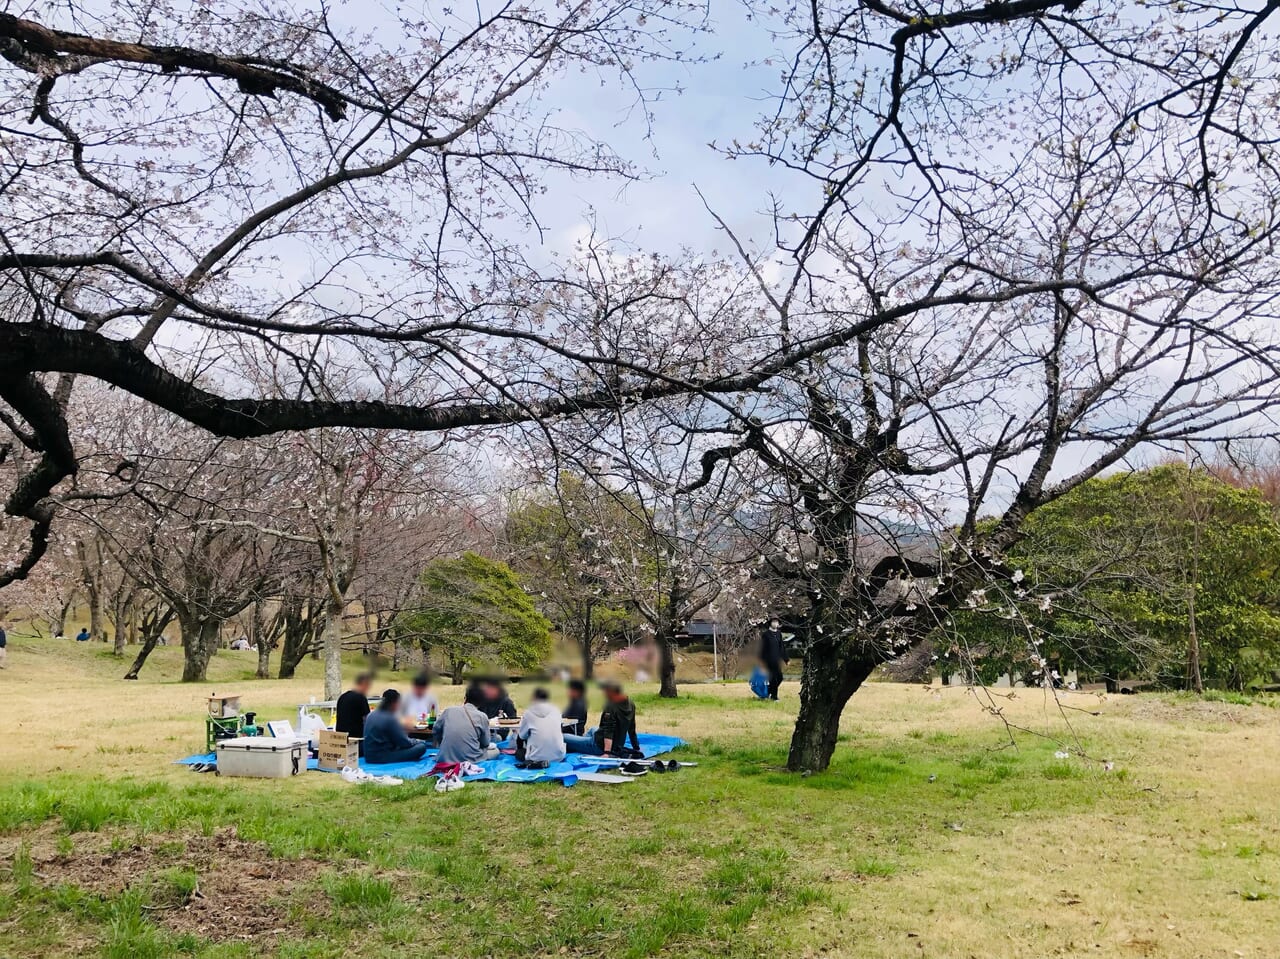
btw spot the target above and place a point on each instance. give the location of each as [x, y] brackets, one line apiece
[261, 758]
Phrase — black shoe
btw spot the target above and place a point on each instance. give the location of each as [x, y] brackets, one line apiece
[632, 769]
[673, 766]
[537, 764]
[657, 766]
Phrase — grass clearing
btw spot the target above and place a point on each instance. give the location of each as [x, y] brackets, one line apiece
[929, 836]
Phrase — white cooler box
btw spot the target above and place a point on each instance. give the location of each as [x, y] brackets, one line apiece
[262, 757]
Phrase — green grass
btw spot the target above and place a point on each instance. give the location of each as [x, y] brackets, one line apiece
[929, 836]
[664, 865]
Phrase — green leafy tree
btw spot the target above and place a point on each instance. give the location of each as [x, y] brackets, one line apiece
[473, 611]
[1167, 574]
[564, 541]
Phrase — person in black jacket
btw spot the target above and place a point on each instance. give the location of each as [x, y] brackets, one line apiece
[493, 701]
[576, 708]
[353, 707]
[773, 653]
[617, 728]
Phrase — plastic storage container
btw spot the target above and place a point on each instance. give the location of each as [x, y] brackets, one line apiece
[261, 757]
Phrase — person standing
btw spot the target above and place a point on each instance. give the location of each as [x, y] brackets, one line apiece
[773, 653]
[4, 647]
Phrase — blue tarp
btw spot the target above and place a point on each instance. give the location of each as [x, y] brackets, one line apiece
[212, 759]
[503, 769]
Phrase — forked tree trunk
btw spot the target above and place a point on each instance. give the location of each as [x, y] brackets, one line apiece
[828, 679]
[199, 640]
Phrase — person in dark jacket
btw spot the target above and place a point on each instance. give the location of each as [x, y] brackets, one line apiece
[617, 728]
[493, 700]
[385, 740]
[353, 707]
[773, 653]
[576, 708]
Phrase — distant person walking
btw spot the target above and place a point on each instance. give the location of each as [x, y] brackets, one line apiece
[4, 647]
[773, 653]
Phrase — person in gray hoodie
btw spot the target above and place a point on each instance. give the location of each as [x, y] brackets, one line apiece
[540, 738]
[462, 733]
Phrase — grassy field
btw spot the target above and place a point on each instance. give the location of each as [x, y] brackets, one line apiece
[928, 837]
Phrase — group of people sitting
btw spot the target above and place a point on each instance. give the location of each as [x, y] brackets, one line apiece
[467, 733]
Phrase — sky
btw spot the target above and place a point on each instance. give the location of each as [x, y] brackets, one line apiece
[717, 100]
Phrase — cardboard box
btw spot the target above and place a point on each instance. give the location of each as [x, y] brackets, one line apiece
[224, 705]
[338, 750]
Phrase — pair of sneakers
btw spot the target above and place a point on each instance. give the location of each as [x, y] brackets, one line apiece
[671, 766]
[451, 784]
[354, 775]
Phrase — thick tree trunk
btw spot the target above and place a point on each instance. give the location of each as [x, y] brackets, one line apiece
[264, 660]
[828, 679]
[120, 618]
[332, 644]
[667, 665]
[96, 627]
[199, 639]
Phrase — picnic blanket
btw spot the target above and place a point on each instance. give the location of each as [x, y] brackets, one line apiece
[501, 770]
[212, 760]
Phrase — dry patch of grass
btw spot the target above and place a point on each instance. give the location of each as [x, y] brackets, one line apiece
[218, 888]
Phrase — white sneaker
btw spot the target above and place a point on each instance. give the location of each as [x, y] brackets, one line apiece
[442, 785]
[350, 775]
[455, 784]
[387, 780]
